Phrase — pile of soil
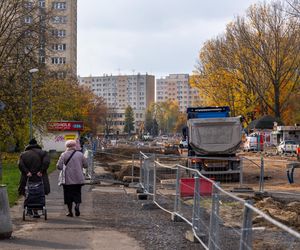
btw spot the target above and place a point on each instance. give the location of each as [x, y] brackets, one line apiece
[128, 151]
[287, 213]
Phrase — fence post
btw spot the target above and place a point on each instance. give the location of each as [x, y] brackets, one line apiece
[177, 189]
[213, 240]
[246, 236]
[262, 174]
[92, 166]
[132, 168]
[147, 175]
[196, 204]
[241, 171]
[141, 171]
[154, 181]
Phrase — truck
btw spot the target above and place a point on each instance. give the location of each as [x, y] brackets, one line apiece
[213, 139]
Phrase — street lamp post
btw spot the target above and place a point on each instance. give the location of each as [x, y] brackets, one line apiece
[31, 71]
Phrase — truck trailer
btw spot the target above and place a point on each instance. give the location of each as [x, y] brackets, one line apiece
[213, 139]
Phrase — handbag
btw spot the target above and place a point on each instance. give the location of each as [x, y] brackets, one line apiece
[62, 173]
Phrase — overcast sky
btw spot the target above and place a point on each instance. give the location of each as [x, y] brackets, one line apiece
[154, 36]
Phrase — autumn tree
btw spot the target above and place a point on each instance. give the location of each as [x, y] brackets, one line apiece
[109, 118]
[294, 7]
[148, 126]
[52, 100]
[129, 120]
[166, 114]
[24, 32]
[155, 128]
[255, 64]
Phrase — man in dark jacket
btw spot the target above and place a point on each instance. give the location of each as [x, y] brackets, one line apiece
[33, 163]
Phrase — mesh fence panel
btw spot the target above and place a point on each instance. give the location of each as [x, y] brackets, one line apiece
[165, 186]
[220, 219]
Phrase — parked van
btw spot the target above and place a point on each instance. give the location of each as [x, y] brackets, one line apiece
[288, 146]
[251, 143]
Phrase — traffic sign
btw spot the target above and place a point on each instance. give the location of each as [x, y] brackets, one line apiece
[2, 105]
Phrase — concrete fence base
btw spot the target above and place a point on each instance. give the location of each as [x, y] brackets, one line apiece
[5, 220]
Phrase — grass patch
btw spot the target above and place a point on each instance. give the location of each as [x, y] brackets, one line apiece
[11, 174]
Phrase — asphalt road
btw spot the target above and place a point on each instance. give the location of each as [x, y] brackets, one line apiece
[62, 232]
[111, 218]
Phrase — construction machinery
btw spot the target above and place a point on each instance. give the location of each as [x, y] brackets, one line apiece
[213, 139]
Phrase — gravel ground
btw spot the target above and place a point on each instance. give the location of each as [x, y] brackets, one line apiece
[153, 228]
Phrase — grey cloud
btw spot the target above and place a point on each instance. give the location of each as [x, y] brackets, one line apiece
[155, 36]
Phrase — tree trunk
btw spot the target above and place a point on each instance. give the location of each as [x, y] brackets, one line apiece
[276, 100]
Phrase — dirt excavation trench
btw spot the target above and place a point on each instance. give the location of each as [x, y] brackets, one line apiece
[119, 164]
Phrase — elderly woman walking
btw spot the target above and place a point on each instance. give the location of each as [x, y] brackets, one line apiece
[74, 162]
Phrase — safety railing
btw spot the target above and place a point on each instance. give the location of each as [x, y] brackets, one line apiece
[219, 219]
[263, 173]
[89, 172]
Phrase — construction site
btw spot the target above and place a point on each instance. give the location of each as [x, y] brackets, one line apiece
[270, 190]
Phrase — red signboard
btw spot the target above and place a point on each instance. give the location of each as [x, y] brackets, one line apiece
[65, 126]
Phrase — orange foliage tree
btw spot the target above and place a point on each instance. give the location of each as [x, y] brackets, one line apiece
[255, 65]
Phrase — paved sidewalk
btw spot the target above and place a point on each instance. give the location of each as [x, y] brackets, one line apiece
[61, 232]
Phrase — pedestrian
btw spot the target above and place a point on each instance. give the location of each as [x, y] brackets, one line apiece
[33, 163]
[74, 179]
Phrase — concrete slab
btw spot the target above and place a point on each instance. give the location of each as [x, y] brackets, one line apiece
[189, 235]
[109, 189]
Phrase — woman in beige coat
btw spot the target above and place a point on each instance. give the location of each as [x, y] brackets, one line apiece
[74, 178]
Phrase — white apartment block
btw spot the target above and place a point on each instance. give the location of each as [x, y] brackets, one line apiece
[122, 91]
[61, 54]
[176, 87]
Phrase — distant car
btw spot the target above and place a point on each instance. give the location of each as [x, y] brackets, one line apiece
[251, 143]
[183, 144]
[164, 137]
[147, 137]
[288, 146]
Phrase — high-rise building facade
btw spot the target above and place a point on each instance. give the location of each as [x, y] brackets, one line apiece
[61, 54]
[176, 87]
[122, 91]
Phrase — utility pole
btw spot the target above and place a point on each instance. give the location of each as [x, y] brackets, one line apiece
[31, 71]
[2, 107]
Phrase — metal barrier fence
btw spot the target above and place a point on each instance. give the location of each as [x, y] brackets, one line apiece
[219, 219]
[89, 172]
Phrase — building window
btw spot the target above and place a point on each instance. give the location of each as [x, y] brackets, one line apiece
[59, 47]
[58, 60]
[61, 74]
[28, 19]
[42, 3]
[59, 19]
[59, 33]
[42, 59]
[59, 5]
[28, 4]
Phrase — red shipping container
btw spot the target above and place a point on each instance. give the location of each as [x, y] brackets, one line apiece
[187, 186]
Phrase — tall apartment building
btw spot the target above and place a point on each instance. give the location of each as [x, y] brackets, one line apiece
[61, 56]
[176, 87]
[122, 91]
